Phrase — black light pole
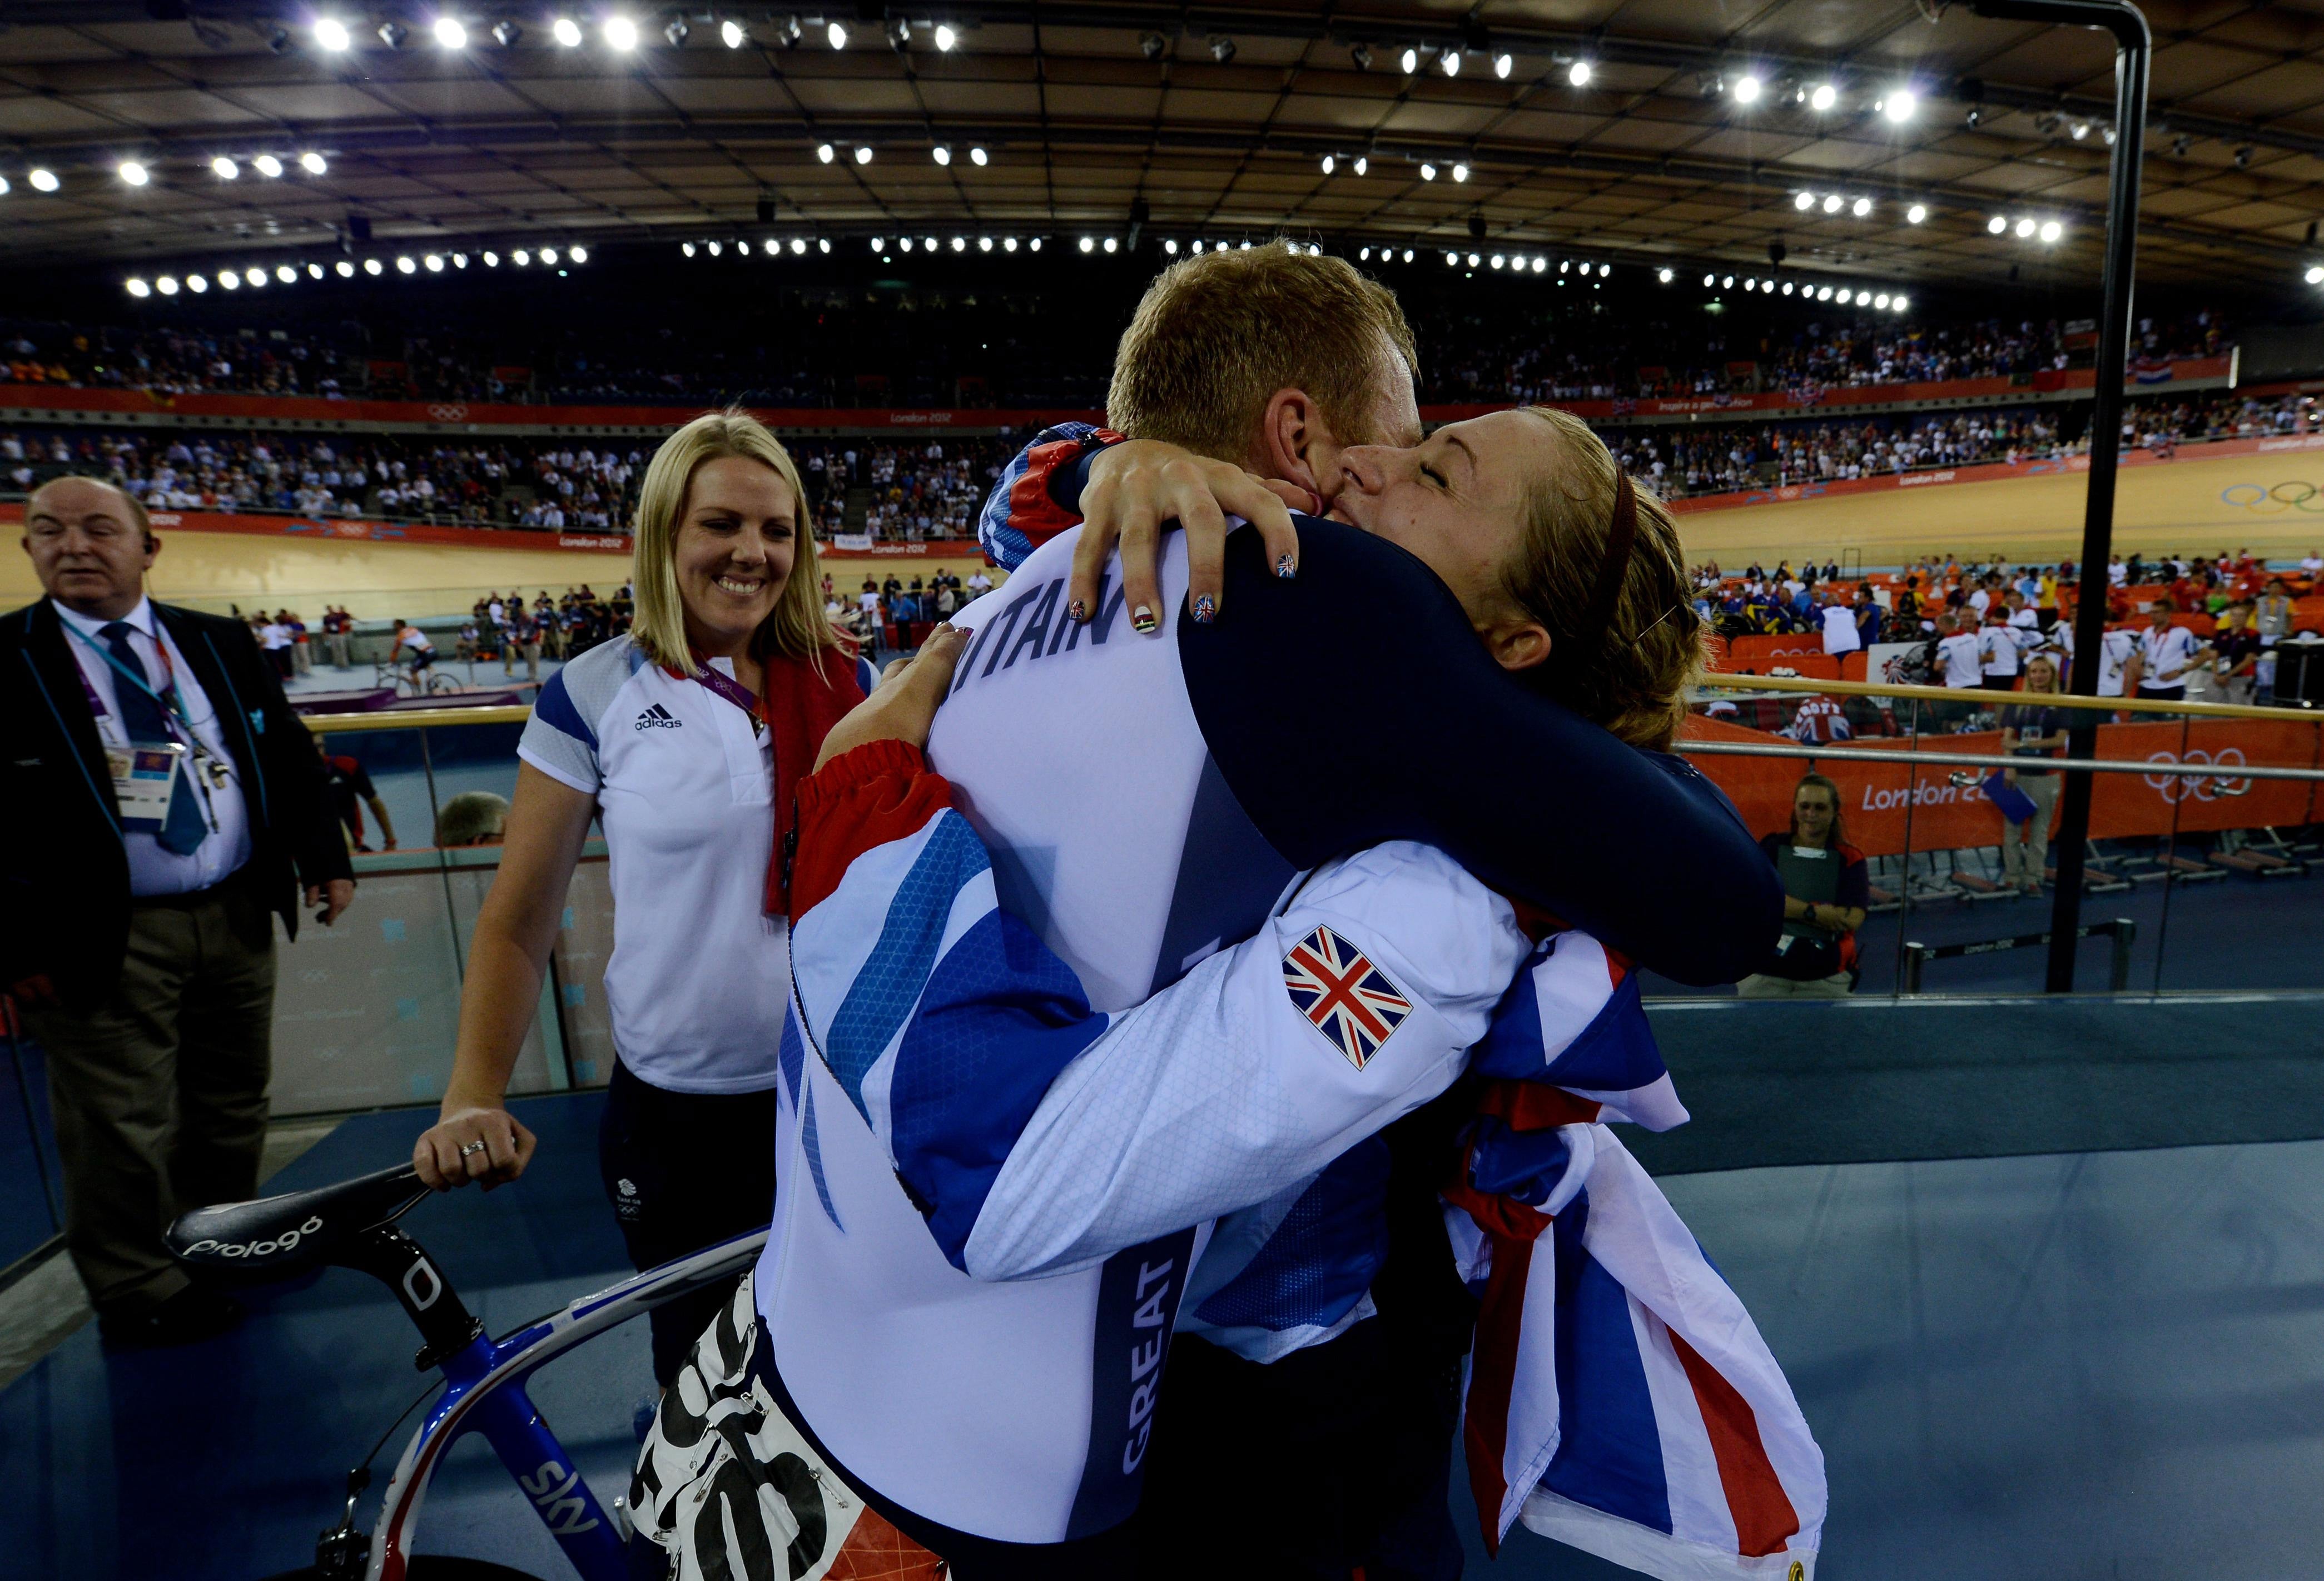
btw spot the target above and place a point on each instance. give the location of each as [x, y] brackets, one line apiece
[2134, 48]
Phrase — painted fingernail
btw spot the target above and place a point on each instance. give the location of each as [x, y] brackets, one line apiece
[1286, 566]
[1206, 608]
[1077, 612]
[1142, 619]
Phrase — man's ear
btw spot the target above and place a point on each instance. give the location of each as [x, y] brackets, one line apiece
[1516, 641]
[1289, 432]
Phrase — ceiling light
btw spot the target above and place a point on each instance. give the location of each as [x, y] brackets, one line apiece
[331, 35]
[167, 285]
[1223, 48]
[313, 163]
[773, 248]
[372, 267]
[2024, 228]
[285, 273]
[1804, 202]
[863, 153]
[1916, 214]
[505, 33]
[549, 254]
[1845, 294]
[1568, 265]
[836, 35]
[2051, 230]
[196, 283]
[404, 265]
[824, 151]
[1881, 300]
[1427, 171]
[565, 31]
[1860, 208]
[905, 243]
[621, 32]
[344, 269]
[1823, 294]
[943, 154]
[520, 257]
[1088, 244]
[1604, 271]
[1663, 275]
[2315, 274]
[1751, 283]
[449, 33]
[1997, 225]
[1451, 260]
[226, 167]
[1539, 264]
[493, 260]
[677, 31]
[1110, 244]
[984, 245]
[256, 276]
[1460, 172]
[1727, 282]
[1833, 202]
[228, 281]
[460, 260]
[685, 247]
[1407, 254]
[1363, 254]
[1451, 61]
[1579, 74]
[1503, 65]
[976, 156]
[945, 38]
[1363, 165]
[267, 165]
[391, 33]
[1709, 279]
[1409, 60]
[1787, 288]
[136, 287]
[960, 243]
[798, 246]
[133, 174]
[1823, 96]
[879, 245]
[1900, 105]
[2081, 129]
[1474, 260]
[313, 272]
[1329, 164]
[730, 34]
[1747, 90]
[1009, 244]
[1500, 260]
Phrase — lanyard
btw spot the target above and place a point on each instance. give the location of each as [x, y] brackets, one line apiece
[173, 703]
[732, 690]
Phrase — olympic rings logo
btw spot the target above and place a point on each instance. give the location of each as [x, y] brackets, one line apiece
[448, 414]
[2179, 787]
[2276, 498]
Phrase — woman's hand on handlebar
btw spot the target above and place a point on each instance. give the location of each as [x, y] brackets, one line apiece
[1136, 486]
[507, 1148]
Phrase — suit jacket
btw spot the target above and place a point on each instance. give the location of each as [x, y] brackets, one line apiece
[64, 872]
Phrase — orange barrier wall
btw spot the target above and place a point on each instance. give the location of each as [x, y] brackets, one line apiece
[1878, 800]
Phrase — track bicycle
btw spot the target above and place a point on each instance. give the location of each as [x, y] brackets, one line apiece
[353, 1225]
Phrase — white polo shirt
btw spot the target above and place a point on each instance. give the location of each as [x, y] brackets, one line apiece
[1959, 655]
[1998, 645]
[2114, 653]
[699, 981]
[2165, 650]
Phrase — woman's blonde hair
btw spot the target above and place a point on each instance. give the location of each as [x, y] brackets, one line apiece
[1629, 674]
[798, 627]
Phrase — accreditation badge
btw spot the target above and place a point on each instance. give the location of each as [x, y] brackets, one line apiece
[145, 778]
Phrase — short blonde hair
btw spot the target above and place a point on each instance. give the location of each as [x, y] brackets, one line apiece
[1632, 676]
[798, 627]
[1215, 336]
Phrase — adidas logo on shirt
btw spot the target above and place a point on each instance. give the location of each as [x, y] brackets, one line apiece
[659, 718]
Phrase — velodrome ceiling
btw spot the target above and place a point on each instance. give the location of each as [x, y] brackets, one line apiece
[1216, 120]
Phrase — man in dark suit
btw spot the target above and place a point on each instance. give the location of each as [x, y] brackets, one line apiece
[162, 800]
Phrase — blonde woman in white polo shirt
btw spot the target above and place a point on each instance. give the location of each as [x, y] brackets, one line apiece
[684, 740]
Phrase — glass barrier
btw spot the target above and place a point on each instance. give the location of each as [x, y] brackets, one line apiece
[2192, 880]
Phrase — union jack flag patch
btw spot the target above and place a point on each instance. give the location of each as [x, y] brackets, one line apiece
[1350, 1000]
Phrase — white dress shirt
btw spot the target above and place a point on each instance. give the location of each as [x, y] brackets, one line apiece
[227, 846]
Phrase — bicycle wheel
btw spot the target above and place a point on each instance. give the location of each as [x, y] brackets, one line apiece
[432, 1568]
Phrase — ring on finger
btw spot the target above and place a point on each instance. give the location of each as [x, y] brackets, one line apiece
[468, 1147]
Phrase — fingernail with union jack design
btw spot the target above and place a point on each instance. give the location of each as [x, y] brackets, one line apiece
[1206, 609]
[1141, 619]
[1077, 612]
[1286, 566]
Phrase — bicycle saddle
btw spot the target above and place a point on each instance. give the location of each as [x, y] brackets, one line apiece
[274, 1237]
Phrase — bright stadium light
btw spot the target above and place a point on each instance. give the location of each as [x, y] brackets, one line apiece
[133, 174]
[167, 285]
[1451, 260]
[826, 152]
[1727, 282]
[1330, 163]
[1580, 73]
[1460, 172]
[984, 245]
[1916, 214]
[492, 259]
[459, 261]
[331, 35]
[2315, 275]
[565, 31]
[1881, 300]
[1427, 171]
[863, 153]
[1363, 165]
[404, 265]
[1746, 90]
[1451, 61]
[344, 269]
[730, 34]
[836, 35]
[621, 32]
[1409, 60]
[1751, 282]
[450, 33]
[372, 267]
[1709, 279]
[1824, 96]
[548, 255]
[1804, 202]
[1539, 264]
[945, 38]
[1900, 105]
[313, 272]
[1500, 260]
[1823, 294]
[1997, 225]
[198, 283]
[1088, 244]
[2024, 228]
[1860, 208]
[1503, 64]
[521, 258]
[226, 167]
[1845, 294]
[943, 154]
[1111, 244]
[1832, 203]
[267, 165]
[2051, 230]
[136, 287]
[227, 280]
[685, 247]
[286, 274]
[1787, 288]
[1663, 275]
[978, 158]
[905, 243]
[1009, 244]
[578, 254]
[256, 276]
[314, 164]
